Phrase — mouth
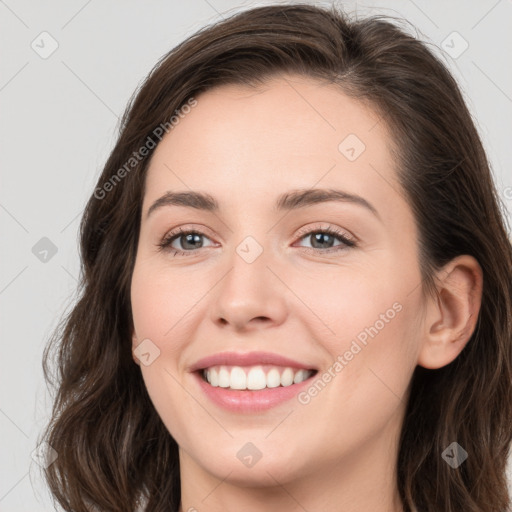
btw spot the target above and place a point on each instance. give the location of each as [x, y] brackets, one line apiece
[252, 389]
[250, 382]
[254, 378]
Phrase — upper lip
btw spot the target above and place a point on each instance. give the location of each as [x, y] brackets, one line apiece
[247, 359]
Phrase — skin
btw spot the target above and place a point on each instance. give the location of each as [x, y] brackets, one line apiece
[245, 147]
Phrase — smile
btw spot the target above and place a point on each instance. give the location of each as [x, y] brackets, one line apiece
[250, 382]
[254, 378]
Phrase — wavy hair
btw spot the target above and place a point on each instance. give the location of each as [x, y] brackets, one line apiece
[114, 452]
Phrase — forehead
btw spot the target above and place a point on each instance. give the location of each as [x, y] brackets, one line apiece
[291, 132]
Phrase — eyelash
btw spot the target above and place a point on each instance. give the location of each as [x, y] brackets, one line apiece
[330, 230]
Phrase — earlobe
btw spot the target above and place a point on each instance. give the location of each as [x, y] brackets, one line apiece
[452, 316]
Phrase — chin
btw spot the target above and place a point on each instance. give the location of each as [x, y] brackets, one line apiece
[247, 464]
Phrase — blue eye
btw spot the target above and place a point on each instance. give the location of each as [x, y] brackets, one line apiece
[189, 238]
[327, 236]
[192, 240]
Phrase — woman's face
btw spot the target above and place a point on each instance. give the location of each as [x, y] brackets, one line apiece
[267, 296]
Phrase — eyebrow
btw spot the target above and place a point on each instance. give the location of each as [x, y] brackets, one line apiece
[292, 200]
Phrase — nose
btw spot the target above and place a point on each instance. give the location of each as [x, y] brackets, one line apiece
[251, 295]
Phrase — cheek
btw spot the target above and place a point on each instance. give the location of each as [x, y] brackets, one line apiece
[372, 361]
[347, 303]
[372, 337]
[161, 301]
[160, 315]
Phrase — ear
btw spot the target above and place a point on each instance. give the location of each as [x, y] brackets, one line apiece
[451, 317]
[135, 342]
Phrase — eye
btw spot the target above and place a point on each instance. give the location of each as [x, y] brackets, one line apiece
[189, 240]
[322, 239]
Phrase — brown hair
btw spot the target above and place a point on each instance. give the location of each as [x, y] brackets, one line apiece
[114, 452]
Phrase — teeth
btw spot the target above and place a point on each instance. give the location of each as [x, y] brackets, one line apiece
[238, 378]
[300, 376]
[255, 377]
[224, 379]
[273, 378]
[213, 379]
[287, 377]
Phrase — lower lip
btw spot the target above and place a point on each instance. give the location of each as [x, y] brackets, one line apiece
[247, 400]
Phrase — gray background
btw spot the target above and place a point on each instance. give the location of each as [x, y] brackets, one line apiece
[59, 116]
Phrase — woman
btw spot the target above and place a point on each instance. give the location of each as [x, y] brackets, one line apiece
[215, 362]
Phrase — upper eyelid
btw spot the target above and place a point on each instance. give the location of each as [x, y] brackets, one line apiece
[303, 232]
[203, 231]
